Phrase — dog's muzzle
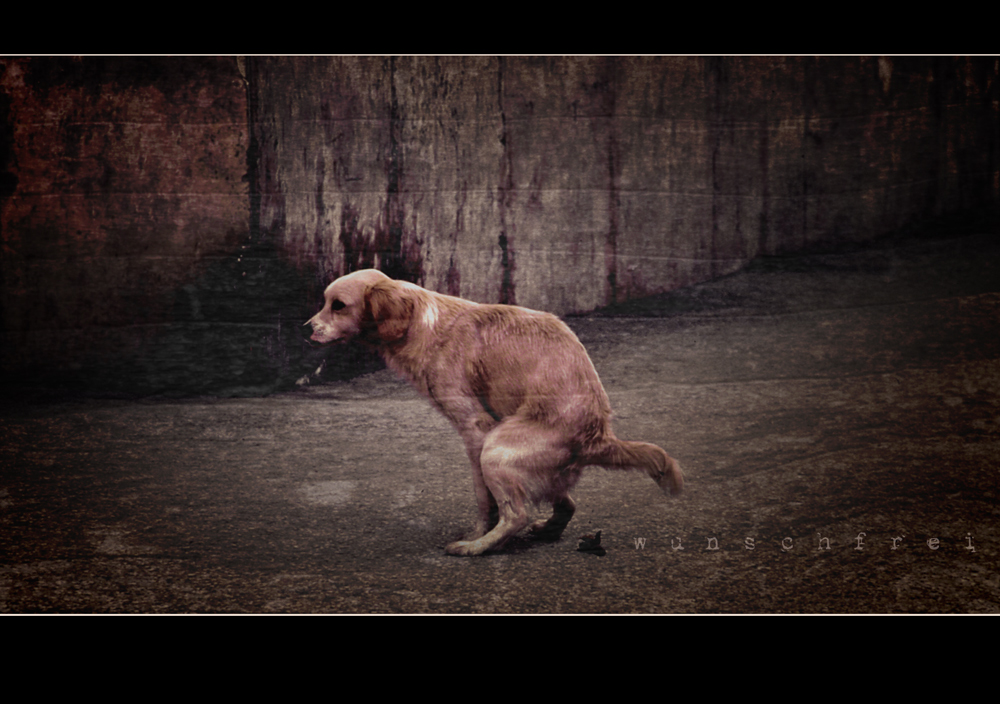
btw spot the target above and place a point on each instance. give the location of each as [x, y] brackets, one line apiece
[321, 333]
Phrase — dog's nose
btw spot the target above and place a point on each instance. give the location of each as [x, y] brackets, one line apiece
[310, 327]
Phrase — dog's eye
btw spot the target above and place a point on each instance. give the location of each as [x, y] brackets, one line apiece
[337, 304]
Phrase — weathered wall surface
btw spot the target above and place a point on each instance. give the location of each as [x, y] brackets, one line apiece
[120, 178]
[567, 183]
[149, 230]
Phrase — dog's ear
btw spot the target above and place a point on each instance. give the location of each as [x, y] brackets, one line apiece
[390, 310]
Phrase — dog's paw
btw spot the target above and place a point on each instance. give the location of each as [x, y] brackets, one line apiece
[464, 548]
[538, 526]
[544, 530]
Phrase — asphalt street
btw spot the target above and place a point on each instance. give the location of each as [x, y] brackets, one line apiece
[837, 417]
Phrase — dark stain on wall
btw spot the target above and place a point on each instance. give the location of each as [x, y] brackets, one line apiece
[51, 76]
[606, 89]
[357, 253]
[126, 230]
[391, 245]
[8, 186]
[505, 201]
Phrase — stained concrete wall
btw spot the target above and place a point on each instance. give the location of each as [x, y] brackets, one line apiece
[121, 179]
[568, 183]
[172, 220]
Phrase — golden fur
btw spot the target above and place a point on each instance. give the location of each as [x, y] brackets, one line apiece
[517, 385]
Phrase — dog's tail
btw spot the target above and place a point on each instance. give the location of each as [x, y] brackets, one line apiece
[613, 453]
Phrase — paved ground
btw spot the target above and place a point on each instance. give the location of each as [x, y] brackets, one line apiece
[817, 404]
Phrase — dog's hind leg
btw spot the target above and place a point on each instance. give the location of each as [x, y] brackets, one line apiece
[474, 435]
[517, 462]
[488, 514]
[552, 529]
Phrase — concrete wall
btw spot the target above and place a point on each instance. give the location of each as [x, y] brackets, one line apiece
[570, 183]
[120, 179]
[150, 230]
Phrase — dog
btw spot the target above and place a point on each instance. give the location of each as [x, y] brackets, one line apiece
[516, 384]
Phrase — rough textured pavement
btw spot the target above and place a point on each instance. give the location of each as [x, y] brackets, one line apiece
[837, 417]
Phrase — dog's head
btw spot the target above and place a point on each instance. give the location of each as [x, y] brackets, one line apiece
[366, 303]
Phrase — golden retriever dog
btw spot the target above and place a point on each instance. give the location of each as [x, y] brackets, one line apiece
[516, 384]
